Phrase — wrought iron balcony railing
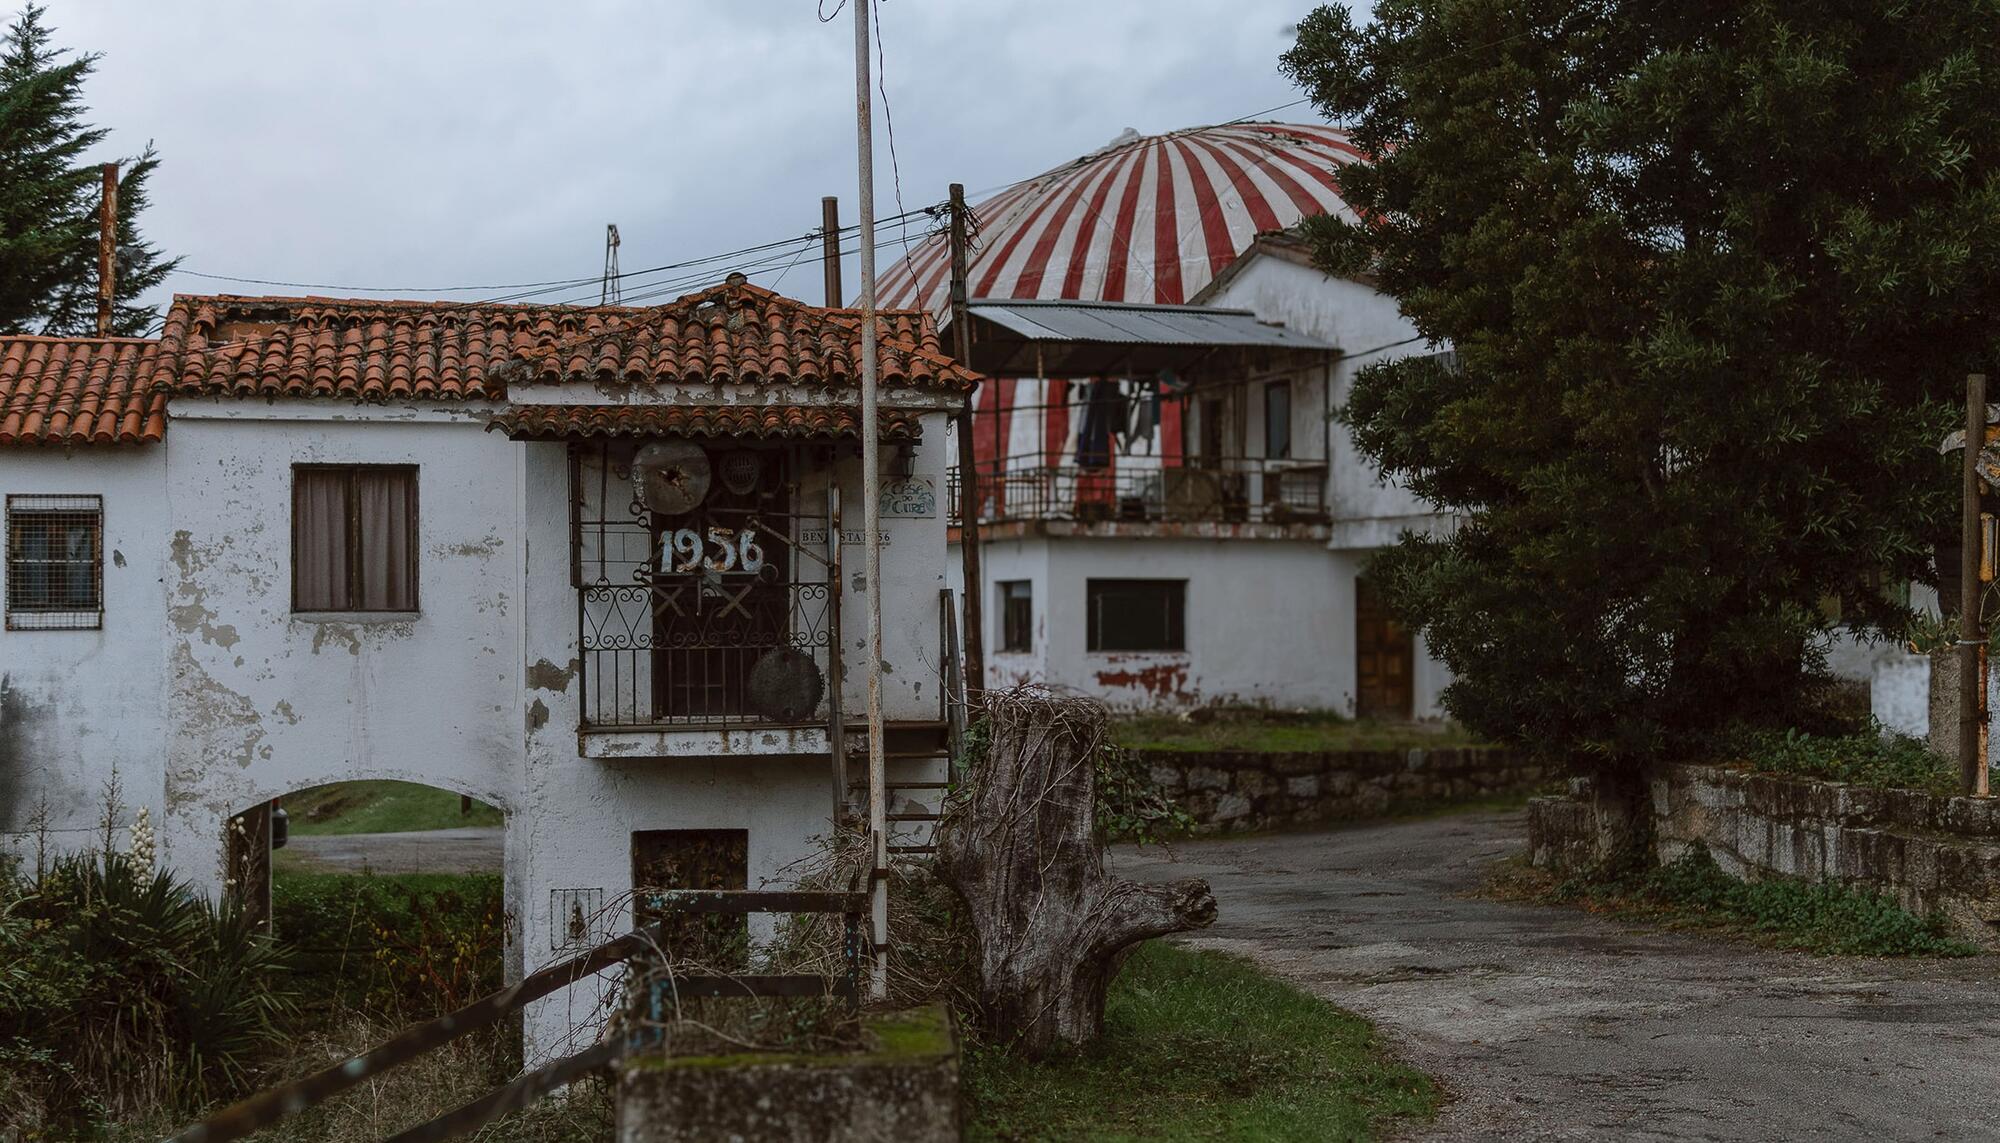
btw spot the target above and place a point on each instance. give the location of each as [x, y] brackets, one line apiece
[1218, 491]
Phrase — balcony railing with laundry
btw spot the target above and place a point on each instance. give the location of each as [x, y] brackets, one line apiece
[1197, 490]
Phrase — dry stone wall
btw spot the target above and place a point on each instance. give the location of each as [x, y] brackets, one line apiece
[1228, 791]
[1928, 853]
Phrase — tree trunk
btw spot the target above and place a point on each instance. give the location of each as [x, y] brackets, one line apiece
[1021, 849]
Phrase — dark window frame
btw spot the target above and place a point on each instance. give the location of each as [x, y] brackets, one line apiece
[57, 513]
[1017, 630]
[1172, 594]
[350, 542]
[1271, 450]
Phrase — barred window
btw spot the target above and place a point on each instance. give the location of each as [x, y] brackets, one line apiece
[55, 563]
[354, 537]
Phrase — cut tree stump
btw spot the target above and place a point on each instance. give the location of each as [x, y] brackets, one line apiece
[1020, 847]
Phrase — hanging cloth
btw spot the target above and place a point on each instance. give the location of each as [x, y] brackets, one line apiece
[1103, 415]
[1145, 416]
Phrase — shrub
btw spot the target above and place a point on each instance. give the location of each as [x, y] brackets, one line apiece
[408, 946]
[126, 992]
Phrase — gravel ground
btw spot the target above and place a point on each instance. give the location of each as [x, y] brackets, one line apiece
[469, 849]
[1551, 1023]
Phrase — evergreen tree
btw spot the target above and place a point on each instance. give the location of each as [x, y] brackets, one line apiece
[49, 196]
[1714, 272]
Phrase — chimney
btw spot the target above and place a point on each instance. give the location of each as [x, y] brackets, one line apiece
[107, 250]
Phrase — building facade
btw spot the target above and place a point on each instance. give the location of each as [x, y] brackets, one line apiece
[594, 566]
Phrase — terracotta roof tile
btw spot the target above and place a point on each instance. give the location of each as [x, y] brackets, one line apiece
[742, 333]
[826, 422]
[357, 349]
[78, 391]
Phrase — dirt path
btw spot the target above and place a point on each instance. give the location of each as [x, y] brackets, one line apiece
[467, 849]
[1548, 1023]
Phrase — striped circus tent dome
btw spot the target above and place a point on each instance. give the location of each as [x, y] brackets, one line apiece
[1146, 219]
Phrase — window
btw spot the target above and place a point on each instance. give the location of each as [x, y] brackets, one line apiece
[354, 537]
[1278, 420]
[1137, 614]
[55, 562]
[1017, 615]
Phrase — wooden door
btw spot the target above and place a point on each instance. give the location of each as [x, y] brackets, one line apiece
[1384, 659]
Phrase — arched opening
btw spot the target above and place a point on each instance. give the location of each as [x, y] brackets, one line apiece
[389, 898]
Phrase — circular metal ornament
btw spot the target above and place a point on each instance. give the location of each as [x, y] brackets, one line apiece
[740, 470]
[671, 477]
[785, 686]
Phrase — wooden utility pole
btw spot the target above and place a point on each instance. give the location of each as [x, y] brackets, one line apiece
[1971, 702]
[829, 223]
[107, 250]
[968, 458]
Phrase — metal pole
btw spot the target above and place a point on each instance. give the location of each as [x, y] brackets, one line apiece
[871, 511]
[829, 222]
[974, 636]
[1970, 701]
[107, 250]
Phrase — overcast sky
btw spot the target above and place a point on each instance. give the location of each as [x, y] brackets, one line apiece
[418, 145]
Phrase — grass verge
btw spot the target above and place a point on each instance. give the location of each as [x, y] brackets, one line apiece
[1868, 758]
[1199, 1045]
[381, 807]
[1694, 893]
[1276, 732]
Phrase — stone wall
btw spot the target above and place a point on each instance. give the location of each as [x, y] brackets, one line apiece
[1227, 791]
[1930, 854]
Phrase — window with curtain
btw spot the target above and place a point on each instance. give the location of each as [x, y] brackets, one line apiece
[55, 562]
[1278, 420]
[354, 537]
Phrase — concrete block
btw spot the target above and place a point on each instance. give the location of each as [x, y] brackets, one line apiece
[904, 1089]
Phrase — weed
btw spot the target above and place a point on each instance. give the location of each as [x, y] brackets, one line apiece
[1873, 757]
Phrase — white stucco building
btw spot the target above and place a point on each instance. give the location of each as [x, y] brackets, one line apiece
[584, 564]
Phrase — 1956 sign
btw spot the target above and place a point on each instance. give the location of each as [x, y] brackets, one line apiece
[722, 550]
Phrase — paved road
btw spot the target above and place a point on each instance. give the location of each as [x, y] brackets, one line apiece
[1549, 1023]
[469, 849]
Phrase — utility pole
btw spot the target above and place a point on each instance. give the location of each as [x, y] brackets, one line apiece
[1971, 635]
[871, 512]
[107, 250]
[611, 293]
[968, 459]
[829, 240]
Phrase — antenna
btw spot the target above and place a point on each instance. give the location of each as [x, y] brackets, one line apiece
[608, 295]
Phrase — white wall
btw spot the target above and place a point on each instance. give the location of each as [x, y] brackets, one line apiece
[77, 706]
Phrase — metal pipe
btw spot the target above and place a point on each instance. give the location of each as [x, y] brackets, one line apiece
[107, 250]
[829, 222]
[1970, 701]
[871, 509]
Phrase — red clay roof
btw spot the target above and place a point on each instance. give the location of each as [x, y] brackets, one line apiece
[78, 391]
[357, 349]
[746, 334]
[366, 350]
[825, 422]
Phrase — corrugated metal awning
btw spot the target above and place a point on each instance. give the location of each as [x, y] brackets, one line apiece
[1013, 337]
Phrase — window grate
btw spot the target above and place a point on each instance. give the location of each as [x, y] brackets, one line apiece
[55, 563]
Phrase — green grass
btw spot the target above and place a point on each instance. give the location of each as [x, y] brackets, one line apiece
[1870, 758]
[1199, 1045]
[1277, 732]
[381, 807]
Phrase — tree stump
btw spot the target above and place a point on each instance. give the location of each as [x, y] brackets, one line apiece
[1020, 847]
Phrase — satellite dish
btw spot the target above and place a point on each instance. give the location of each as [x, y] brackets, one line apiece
[671, 477]
[785, 686]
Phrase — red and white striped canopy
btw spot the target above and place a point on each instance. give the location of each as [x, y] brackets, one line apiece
[1147, 219]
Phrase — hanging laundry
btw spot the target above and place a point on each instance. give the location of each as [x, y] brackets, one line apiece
[1103, 416]
[1145, 417]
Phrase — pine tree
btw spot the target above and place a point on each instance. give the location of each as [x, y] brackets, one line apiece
[49, 195]
[1713, 271]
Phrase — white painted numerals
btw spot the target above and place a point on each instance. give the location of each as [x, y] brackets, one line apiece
[730, 550]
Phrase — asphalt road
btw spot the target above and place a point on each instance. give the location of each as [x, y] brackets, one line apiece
[468, 849]
[1550, 1023]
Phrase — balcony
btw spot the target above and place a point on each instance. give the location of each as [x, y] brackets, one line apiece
[1206, 491]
